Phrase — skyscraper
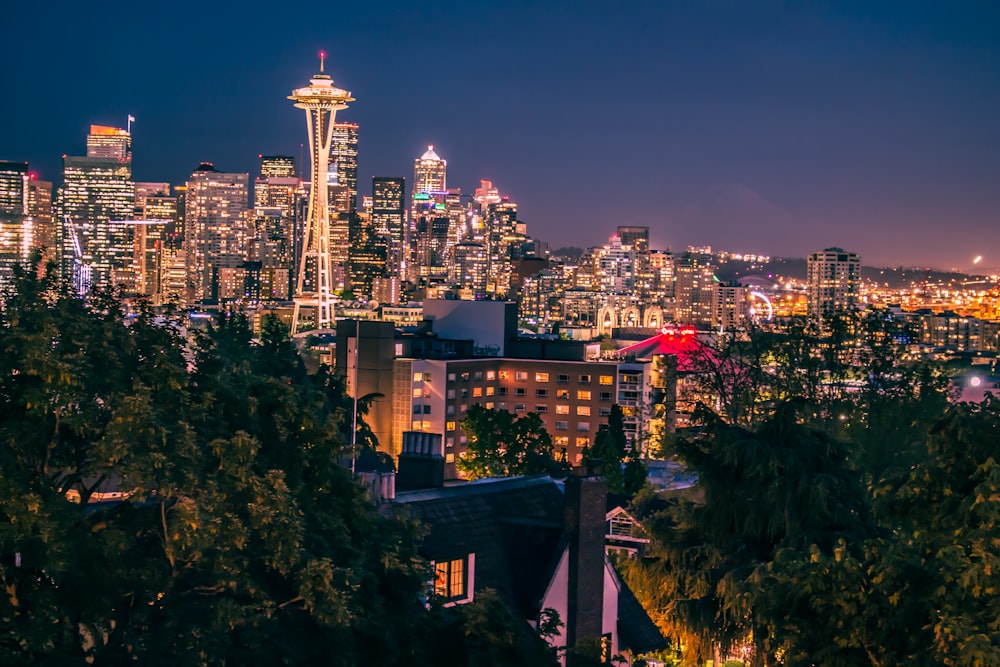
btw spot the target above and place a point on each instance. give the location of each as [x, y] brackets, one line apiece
[344, 154]
[277, 166]
[389, 219]
[430, 174]
[96, 191]
[834, 282]
[321, 101]
[16, 227]
[40, 210]
[216, 227]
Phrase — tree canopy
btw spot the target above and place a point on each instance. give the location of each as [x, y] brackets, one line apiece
[503, 445]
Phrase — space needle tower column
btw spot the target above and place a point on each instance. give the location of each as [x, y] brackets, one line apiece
[321, 101]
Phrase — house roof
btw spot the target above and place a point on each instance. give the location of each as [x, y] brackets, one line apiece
[514, 526]
[691, 352]
[636, 631]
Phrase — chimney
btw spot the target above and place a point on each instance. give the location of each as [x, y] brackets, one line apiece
[586, 509]
[421, 461]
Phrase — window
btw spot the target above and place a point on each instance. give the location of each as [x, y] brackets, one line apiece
[562, 426]
[478, 375]
[541, 393]
[541, 408]
[583, 443]
[561, 441]
[585, 378]
[583, 410]
[465, 392]
[583, 426]
[501, 391]
[604, 412]
[562, 409]
[503, 375]
[521, 376]
[451, 393]
[464, 377]
[501, 406]
[583, 395]
[541, 377]
[489, 405]
[450, 580]
[491, 375]
[451, 377]
[490, 391]
[562, 377]
[449, 426]
[605, 395]
[418, 392]
[563, 394]
[520, 407]
[418, 377]
[449, 457]
[449, 442]
[477, 391]
[607, 380]
[520, 391]
[450, 410]
[417, 409]
[621, 526]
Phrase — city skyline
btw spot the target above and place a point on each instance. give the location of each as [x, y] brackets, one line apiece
[764, 130]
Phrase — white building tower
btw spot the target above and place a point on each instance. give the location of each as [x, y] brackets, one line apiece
[321, 101]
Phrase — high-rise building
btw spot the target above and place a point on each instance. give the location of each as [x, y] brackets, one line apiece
[834, 282]
[694, 289]
[344, 154]
[16, 225]
[96, 195]
[389, 219]
[109, 142]
[321, 101]
[430, 174]
[636, 238]
[470, 270]
[277, 166]
[216, 227]
[40, 210]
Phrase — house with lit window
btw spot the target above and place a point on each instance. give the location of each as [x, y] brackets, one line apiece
[538, 542]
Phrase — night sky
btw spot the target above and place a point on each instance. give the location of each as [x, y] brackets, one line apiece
[750, 126]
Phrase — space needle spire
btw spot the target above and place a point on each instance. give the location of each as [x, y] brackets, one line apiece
[321, 101]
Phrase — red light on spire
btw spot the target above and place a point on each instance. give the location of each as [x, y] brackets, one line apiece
[33, 176]
[322, 59]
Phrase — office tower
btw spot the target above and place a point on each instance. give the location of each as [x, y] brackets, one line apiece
[40, 210]
[616, 263]
[109, 142]
[470, 270]
[500, 221]
[158, 242]
[430, 174]
[344, 154]
[96, 195]
[277, 166]
[216, 229]
[694, 289]
[321, 101]
[389, 219]
[16, 226]
[636, 238]
[729, 307]
[368, 257]
[834, 282]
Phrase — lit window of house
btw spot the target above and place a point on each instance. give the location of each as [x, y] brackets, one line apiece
[562, 409]
[607, 380]
[541, 377]
[583, 410]
[453, 579]
[521, 376]
[491, 375]
[583, 395]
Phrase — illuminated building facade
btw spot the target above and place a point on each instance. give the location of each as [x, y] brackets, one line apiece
[388, 217]
[470, 270]
[321, 101]
[344, 155]
[216, 227]
[95, 192]
[833, 282]
[277, 166]
[694, 288]
[109, 142]
[16, 225]
[40, 210]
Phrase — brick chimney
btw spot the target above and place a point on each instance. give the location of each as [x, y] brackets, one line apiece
[586, 508]
[421, 463]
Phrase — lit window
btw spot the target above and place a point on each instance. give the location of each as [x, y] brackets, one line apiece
[491, 375]
[521, 376]
[490, 391]
[503, 375]
[583, 395]
[583, 410]
[449, 578]
[449, 457]
[563, 394]
[449, 426]
[562, 409]
[489, 406]
[561, 441]
[418, 377]
[477, 391]
[583, 442]
[464, 377]
[607, 380]
[418, 392]
[541, 377]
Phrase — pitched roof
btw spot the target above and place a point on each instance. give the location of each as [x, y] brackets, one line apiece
[514, 526]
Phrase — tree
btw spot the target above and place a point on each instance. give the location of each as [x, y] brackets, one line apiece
[502, 445]
[231, 534]
[785, 488]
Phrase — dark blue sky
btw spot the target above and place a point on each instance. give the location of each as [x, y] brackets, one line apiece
[751, 126]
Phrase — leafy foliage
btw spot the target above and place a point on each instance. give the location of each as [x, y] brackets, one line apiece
[502, 445]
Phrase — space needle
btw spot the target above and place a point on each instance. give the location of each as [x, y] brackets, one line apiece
[321, 101]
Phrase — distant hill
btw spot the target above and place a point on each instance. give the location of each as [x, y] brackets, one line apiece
[795, 267]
